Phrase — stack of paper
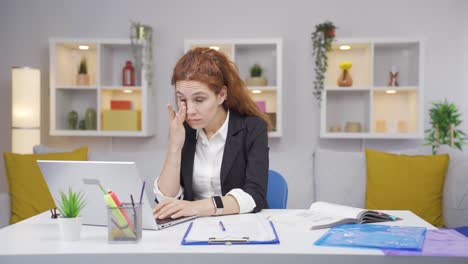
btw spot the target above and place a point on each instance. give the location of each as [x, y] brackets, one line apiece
[235, 228]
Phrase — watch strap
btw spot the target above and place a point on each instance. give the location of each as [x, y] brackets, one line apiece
[218, 204]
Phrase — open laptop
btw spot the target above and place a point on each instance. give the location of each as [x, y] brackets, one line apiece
[120, 177]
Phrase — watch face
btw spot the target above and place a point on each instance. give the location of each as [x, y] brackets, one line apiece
[218, 201]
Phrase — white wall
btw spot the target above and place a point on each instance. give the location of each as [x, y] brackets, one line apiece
[462, 14]
[26, 26]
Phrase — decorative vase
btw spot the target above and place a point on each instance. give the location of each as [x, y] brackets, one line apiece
[72, 119]
[81, 125]
[90, 119]
[256, 81]
[128, 74]
[82, 79]
[70, 228]
[345, 79]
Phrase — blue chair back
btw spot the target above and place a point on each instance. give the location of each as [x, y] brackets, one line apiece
[277, 191]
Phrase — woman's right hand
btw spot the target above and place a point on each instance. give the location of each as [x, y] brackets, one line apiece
[176, 126]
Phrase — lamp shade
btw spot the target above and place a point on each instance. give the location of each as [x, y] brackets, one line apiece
[26, 108]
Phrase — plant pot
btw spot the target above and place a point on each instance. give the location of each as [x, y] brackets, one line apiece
[82, 79]
[256, 81]
[70, 228]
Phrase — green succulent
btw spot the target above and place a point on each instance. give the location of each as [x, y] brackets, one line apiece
[83, 69]
[71, 204]
[256, 71]
[444, 118]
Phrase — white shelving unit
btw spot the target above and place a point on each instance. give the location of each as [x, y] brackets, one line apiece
[245, 53]
[105, 60]
[382, 111]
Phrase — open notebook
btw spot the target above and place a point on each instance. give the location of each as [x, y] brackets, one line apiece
[326, 215]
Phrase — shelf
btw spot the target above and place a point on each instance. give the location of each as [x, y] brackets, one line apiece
[245, 53]
[262, 88]
[396, 113]
[130, 117]
[371, 136]
[396, 88]
[89, 133]
[359, 55]
[383, 110]
[113, 58]
[68, 100]
[77, 87]
[405, 56]
[347, 89]
[346, 108]
[67, 61]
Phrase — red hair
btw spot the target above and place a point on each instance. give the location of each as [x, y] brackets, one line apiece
[214, 69]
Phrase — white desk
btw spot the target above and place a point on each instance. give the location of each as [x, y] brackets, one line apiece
[37, 240]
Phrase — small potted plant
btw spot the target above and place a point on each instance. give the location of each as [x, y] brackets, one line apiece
[82, 78]
[256, 78]
[444, 121]
[70, 221]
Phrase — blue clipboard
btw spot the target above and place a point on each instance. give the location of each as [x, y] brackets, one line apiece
[240, 241]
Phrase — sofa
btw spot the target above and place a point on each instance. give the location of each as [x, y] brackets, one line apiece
[323, 175]
[340, 177]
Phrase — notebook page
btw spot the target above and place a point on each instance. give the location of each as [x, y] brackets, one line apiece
[250, 226]
[332, 209]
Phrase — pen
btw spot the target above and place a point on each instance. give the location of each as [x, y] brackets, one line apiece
[133, 204]
[221, 225]
[142, 189]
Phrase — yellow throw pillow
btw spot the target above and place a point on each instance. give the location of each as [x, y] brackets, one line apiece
[401, 182]
[28, 190]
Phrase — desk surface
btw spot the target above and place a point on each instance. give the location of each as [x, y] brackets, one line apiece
[37, 239]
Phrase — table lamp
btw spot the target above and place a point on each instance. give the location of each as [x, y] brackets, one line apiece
[26, 109]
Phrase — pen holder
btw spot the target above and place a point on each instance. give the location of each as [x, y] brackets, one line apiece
[124, 223]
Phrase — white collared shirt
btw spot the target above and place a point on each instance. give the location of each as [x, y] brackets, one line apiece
[206, 180]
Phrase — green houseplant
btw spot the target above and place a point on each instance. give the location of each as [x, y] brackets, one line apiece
[82, 77]
[256, 78]
[322, 38]
[444, 121]
[70, 205]
[256, 71]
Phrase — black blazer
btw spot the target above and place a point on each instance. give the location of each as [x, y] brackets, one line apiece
[245, 159]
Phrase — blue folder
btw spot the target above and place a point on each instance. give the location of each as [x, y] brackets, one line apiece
[239, 241]
[374, 236]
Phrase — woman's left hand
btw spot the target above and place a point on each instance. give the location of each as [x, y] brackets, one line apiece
[175, 208]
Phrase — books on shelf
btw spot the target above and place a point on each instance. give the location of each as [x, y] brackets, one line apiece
[325, 215]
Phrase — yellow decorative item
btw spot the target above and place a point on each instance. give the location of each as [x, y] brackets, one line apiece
[345, 79]
[346, 65]
[121, 120]
[401, 182]
[29, 194]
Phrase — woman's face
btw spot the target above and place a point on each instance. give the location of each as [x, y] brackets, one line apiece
[202, 103]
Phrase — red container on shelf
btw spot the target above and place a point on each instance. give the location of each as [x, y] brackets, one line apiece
[128, 74]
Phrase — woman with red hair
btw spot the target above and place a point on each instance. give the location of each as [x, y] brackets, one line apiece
[217, 158]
